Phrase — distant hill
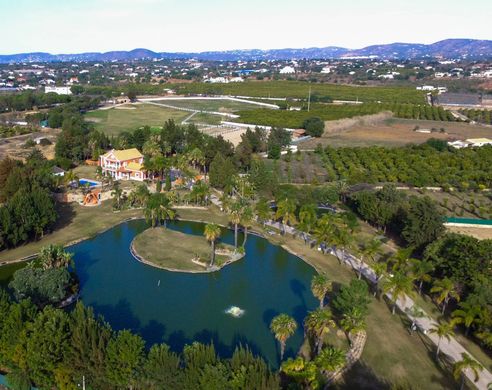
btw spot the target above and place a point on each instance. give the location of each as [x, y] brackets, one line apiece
[449, 48]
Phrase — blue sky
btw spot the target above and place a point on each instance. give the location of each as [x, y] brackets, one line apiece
[71, 26]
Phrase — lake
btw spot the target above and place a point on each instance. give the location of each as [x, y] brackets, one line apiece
[179, 308]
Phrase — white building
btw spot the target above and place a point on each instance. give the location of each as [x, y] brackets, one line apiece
[287, 70]
[58, 90]
[479, 142]
[471, 142]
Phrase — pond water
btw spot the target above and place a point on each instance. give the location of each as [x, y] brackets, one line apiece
[179, 308]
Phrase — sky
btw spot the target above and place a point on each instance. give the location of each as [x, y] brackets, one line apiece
[75, 26]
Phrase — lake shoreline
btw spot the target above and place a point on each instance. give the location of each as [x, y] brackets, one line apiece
[82, 239]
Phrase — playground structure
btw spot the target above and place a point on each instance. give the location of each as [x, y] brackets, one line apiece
[93, 198]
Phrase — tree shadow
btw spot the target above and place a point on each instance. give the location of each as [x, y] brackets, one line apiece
[66, 215]
[298, 289]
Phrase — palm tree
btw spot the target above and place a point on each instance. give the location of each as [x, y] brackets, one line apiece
[399, 285]
[70, 177]
[307, 218]
[380, 270]
[158, 209]
[286, 212]
[421, 270]
[212, 233]
[246, 221]
[320, 286]
[442, 330]
[445, 290]
[342, 189]
[367, 249]
[318, 323]
[324, 230]
[400, 259]
[141, 194]
[353, 320]
[235, 218]
[196, 157]
[55, 256]
[117, 194]
[263, 210]
[466, 363]
[468, 314]
[330, 359]
[342, 239]
[283, 326]
[414, 312]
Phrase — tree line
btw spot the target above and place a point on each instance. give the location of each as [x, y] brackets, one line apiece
[28, 209]
[52, 348]
[25, 101]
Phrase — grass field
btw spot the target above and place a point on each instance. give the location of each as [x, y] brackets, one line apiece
[207, 119]
[130, 117]
[223, 105]
[180, 249]
[300, 90]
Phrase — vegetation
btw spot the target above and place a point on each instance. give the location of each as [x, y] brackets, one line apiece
[300, 90]
[480, 116]
[47, 281]
[29, 100]
[297, 119]
[55, 349]
[28, 211]
[416, 219]
[283, 326]
[418, 166]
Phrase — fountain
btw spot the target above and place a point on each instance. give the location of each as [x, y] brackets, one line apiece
[235, 311]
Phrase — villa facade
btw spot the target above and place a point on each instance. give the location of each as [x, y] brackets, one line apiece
[123, 164]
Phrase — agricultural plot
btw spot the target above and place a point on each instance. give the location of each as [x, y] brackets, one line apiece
[300, 90]
[130, 117]
[383, 131]
[330, 112]
[480, 116]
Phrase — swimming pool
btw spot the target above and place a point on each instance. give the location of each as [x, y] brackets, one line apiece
[91, 183]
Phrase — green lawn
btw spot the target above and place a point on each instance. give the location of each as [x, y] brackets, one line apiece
[223, 105]
[130, 117]
[174, 250]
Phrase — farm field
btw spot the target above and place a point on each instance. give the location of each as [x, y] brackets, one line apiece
[131, 116]
[329, 112]
[384, 131]
[300, 90]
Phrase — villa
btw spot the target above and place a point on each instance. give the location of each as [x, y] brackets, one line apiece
[123, 164]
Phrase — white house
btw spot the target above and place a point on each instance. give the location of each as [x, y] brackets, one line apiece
[471, 142]
[287, 70]
[58, 90]
[479, 142]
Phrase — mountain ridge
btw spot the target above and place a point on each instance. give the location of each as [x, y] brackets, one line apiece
[448, 48]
